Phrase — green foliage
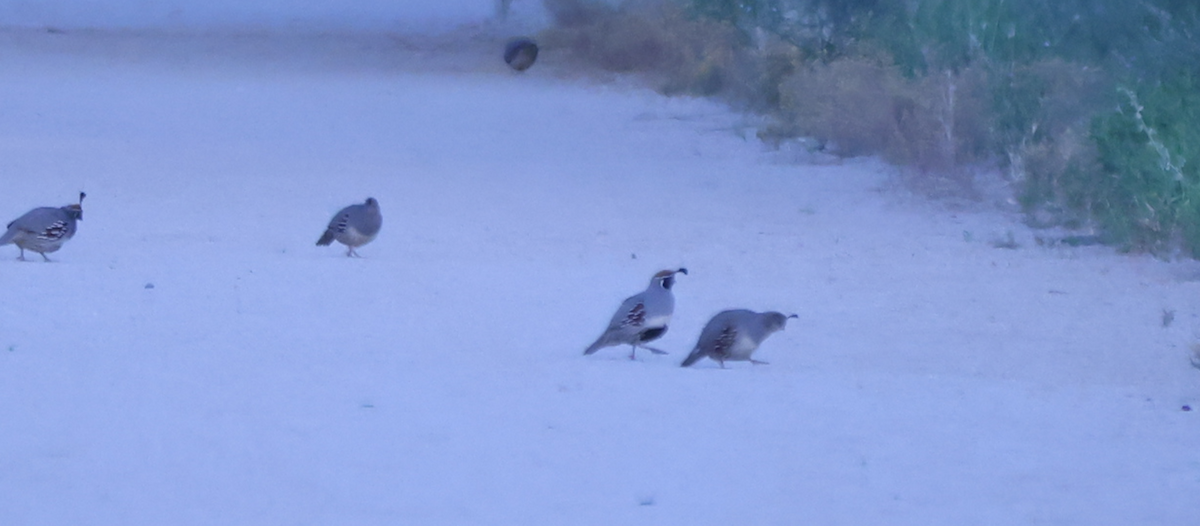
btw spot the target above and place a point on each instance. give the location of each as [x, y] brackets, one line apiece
[815, 27]
[938, 84]
[1149, 148]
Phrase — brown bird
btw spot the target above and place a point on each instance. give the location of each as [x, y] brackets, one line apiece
[520, 53]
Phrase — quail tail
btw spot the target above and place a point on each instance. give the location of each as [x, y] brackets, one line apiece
[8, 237]
[692, 358]
[326, 239]
[601, 343]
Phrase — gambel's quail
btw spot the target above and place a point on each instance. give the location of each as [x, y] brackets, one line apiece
[44, 230]
[643, 317]
[354, 226]
[734, 335]
[520, 53]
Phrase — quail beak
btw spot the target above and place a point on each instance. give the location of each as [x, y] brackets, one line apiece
[681, 271]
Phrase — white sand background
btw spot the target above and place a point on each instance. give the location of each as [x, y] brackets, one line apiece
[192, 358]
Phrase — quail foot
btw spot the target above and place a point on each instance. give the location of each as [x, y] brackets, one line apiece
[643, 317]
[354, 226]
[45, 229]
[734, 335]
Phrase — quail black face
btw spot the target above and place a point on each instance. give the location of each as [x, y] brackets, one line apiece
[667, 277]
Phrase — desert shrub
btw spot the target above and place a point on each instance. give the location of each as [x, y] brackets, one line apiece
[849, 103]
[1149, 196]
[813, 27]
[1040, 116]
[572, 13]
[757, 76]
[862, 106]
[941, 86]
[656, 38]
[948, 127]
[1056, 189]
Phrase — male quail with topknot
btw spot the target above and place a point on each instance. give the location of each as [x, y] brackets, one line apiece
[44, 229]
[643, 317]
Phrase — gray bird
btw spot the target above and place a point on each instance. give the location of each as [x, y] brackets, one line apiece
[734, 335]
[643, 317]
[45, 229]
[353, 226]
[520, 53]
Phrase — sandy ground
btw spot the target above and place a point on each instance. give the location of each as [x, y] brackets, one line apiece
[192, 358]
